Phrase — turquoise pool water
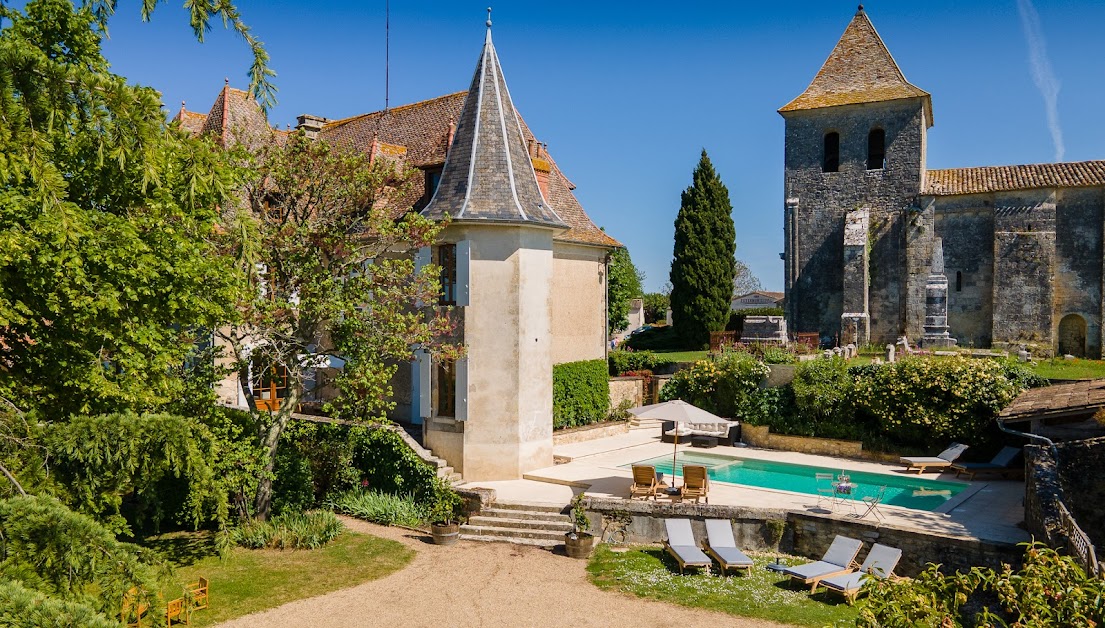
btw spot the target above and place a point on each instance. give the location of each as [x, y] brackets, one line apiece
[907, 491]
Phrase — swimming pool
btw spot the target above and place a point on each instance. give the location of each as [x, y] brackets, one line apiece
[904, 491]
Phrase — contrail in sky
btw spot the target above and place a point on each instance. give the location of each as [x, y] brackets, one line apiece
[1042, 74]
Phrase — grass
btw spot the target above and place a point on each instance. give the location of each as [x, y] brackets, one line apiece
[650, 573]
[255, 580]
[1070, 369]
[684, 356]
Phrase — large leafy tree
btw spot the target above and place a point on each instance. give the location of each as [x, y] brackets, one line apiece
[744, 281]
[106, 219]
[702, 268]
[622, 285]
[326, 277]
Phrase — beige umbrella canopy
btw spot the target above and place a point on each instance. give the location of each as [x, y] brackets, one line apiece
[678, 411]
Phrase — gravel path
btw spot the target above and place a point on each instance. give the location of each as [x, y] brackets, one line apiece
[481, 584]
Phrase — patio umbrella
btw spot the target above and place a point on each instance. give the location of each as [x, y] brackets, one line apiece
[680, 412]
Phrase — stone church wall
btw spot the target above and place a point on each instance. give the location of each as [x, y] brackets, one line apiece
[1024, 263]
[966, 225]
[815, 233]
[1079, 223]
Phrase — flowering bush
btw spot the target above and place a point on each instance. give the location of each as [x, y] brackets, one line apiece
[723, 385]
[921, 400]
[1049, 590]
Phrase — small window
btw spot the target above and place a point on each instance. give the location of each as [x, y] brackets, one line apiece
[876, 149]
[447, 260]
[959, 281]
[433, 178]
[831, 161]
[446, 388]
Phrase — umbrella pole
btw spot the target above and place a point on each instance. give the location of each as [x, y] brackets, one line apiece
[675, 450]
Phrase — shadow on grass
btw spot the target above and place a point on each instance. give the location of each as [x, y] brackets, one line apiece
[182, 548]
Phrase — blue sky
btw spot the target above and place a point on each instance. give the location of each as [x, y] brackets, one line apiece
[626, 94]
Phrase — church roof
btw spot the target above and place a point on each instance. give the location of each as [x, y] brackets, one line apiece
[488, 175]
[1004, 178]
[859, 70]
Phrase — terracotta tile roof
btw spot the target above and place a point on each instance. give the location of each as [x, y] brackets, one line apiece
[1061, 400]
[859, 70]
[190, 121]
[1002, 178]
[423, 130]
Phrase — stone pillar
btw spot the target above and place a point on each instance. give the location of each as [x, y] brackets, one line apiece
[936, 302]
[855, 322]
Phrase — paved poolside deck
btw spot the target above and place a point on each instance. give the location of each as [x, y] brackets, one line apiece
[991, 512]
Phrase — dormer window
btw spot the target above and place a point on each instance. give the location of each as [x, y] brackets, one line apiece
[876, 149]
[433, 179]
[831, 160]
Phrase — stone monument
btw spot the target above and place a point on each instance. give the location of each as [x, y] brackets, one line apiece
[936, 302]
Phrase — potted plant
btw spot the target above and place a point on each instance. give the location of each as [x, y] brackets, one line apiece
[579, 542]
[444, 514]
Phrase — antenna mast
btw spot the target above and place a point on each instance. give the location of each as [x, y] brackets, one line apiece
[387, 53]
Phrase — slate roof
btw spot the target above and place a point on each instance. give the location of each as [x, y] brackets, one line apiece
[1058, 401]
[488, 175]
[1003, 178]
[860, 69]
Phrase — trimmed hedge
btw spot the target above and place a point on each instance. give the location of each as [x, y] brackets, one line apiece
[622, 362]
[581, 394]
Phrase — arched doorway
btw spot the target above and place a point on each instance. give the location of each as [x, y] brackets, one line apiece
[1072, 336]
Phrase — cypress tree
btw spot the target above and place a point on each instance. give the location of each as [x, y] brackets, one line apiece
[703, 262]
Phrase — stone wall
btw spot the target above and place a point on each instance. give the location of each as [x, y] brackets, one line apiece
[761, 436]
[589, 432]
[1042, 492]
[798, 533]
[627, 388]
[963, 222]
[1083, 484]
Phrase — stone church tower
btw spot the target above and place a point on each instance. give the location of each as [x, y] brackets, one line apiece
[500, 244]
[999, 256]
[855, 161]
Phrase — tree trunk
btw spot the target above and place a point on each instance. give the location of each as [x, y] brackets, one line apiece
[270, 440]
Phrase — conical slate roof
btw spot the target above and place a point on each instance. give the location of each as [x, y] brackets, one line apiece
[859, 70]
[488, 175]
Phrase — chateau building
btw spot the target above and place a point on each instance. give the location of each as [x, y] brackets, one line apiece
[1022, 245]
[523, 265]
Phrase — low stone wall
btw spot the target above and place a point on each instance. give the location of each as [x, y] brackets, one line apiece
[589, 432]
[778, 375]
[798, 533]
[627, 388]
[1083, 485]
[1042, 491]
[761, 436]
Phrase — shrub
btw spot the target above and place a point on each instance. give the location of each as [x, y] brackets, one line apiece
[24, 608]
[723, 385]
[309, 530]
[919, 400]
[1022, 375]
[381, 508]
[581, 394]
[623, 362]
[72, 558]
[1048, 590]
[389, 465]
[778, 355]
[659, 339]
[446, 506]
[823, 391]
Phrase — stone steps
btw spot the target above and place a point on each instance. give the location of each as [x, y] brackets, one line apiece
[519, 523]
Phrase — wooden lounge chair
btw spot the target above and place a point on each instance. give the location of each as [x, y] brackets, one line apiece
[645, 483]
[198, 592]
[838, 559]
[723, 547]
[880, 563]
[696, 483]
[1002, 464]
[942, 460]
[681, 545]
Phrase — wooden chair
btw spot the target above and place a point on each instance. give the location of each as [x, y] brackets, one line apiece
[176, 609]
[696, 483]
[645, 483]
[134, 608]
[197, 591]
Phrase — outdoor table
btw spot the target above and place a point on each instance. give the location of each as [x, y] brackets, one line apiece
[845, 493]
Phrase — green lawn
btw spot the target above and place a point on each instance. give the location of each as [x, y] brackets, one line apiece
[649, 572]
[684, 356]
[254, 580]
[1072, 369]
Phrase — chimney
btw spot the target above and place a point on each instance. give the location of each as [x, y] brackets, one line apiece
[541, 166]
[452, 133]
[310, 124]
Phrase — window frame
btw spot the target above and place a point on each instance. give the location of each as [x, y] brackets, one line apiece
[830, 159]
[876, 132]
[446, 258]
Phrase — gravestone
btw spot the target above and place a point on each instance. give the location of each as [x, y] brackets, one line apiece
[936, 303]
[890, 349]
